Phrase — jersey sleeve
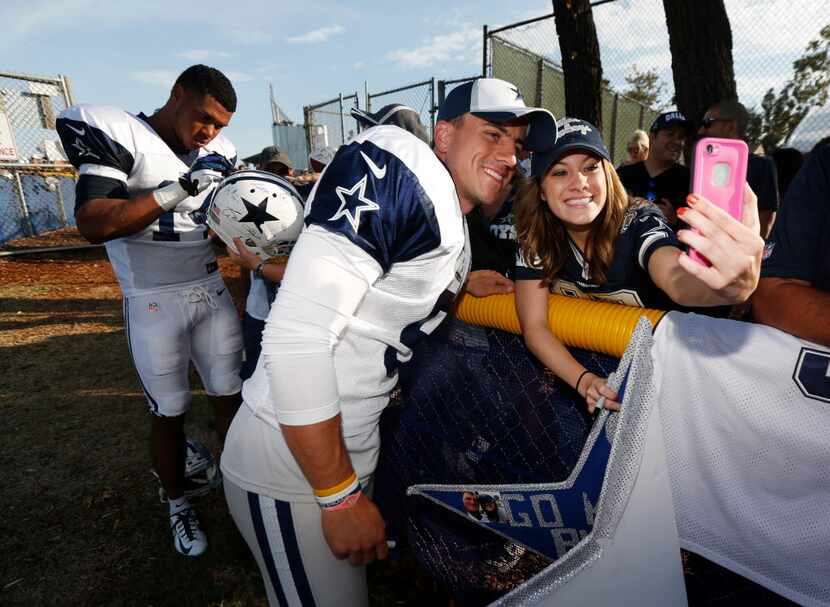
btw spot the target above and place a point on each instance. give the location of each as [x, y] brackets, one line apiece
[794, 248]
[526, 270]
[90, 137]
[650, 231]
[377, 200]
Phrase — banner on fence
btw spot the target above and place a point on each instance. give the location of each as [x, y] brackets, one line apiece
[8, 151]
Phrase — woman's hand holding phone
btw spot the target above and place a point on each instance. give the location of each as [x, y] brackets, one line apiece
[734, 248]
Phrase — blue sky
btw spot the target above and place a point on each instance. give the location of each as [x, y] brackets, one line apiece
[128, 53]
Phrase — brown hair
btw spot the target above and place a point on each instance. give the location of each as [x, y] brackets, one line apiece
[542, 235]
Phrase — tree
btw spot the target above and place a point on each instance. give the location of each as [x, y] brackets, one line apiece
[581, 62]
[781, 112]
[646, 87]
[701, 48]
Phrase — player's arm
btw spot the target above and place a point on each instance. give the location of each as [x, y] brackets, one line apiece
[247, 260]
[104, 209]
[325, 282]
[793, 306]
[532, 308]
[482, 283]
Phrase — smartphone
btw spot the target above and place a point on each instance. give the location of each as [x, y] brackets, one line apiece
[719, 174]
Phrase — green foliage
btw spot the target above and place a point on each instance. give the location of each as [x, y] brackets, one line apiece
[646, 87]
[782, 111]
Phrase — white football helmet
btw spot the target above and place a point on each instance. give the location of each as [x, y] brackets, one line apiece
[264, 210]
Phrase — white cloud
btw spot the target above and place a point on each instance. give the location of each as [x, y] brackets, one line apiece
[248, 36]
[239, 76]
[462, 45]
[314, 36]
[199, 54]
[359, 65]
[164, 78]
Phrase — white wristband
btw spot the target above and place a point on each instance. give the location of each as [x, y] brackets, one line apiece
[167, 197]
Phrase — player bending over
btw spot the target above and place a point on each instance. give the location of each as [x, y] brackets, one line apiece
[383, 254]
[143, 182]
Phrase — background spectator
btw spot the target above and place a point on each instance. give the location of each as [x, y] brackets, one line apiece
[728, 119]
[794, 291]
[660, 178]
[637, 148]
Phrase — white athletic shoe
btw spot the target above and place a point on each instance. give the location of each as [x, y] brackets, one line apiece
[188, 537]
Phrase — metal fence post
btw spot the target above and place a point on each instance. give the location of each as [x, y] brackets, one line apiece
[342, 123]
[540, 73]
[614, 125]
[642, 115]
[432, 108]
[441, 91]
[309, 126]
[61, 207]
[484, 53]
[24, 208]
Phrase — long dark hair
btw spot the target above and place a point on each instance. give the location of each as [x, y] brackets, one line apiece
[543, 236]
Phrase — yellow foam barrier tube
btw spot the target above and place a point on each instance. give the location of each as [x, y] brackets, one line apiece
[581, 323]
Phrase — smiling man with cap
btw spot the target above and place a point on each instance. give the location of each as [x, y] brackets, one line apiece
[661, 178]
[383, 254]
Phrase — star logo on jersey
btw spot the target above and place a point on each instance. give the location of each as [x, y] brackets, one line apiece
[257, 214]
[83, 149]
[353, 202]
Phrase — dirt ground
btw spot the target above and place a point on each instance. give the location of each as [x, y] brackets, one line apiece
[82, 523]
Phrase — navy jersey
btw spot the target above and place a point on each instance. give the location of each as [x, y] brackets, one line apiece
[799, 246]
[119, 155]
[493, 242]
[762, 177]
[643, 231]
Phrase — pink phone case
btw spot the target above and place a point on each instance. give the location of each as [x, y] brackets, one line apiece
[719, 174]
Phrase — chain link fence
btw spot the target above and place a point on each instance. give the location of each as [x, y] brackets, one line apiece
[37, 185]
[527, 54]
[330, 123]
[419, 96]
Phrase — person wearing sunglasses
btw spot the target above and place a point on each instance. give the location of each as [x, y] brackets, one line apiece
[729, 119]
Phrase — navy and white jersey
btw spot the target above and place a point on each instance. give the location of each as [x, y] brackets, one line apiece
[643, 231]
[387, 211]
[119, 155]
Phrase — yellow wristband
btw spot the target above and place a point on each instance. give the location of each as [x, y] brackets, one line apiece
[337, 488]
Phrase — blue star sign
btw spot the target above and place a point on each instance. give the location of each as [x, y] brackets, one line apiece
[353, 202]
[257, 213]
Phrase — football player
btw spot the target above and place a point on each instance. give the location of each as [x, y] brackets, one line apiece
[142, 186]
[383, 254]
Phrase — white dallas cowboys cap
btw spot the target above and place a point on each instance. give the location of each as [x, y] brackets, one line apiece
[499, 101]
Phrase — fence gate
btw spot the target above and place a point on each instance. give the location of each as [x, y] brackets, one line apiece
[37, 184]
[330, 123]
